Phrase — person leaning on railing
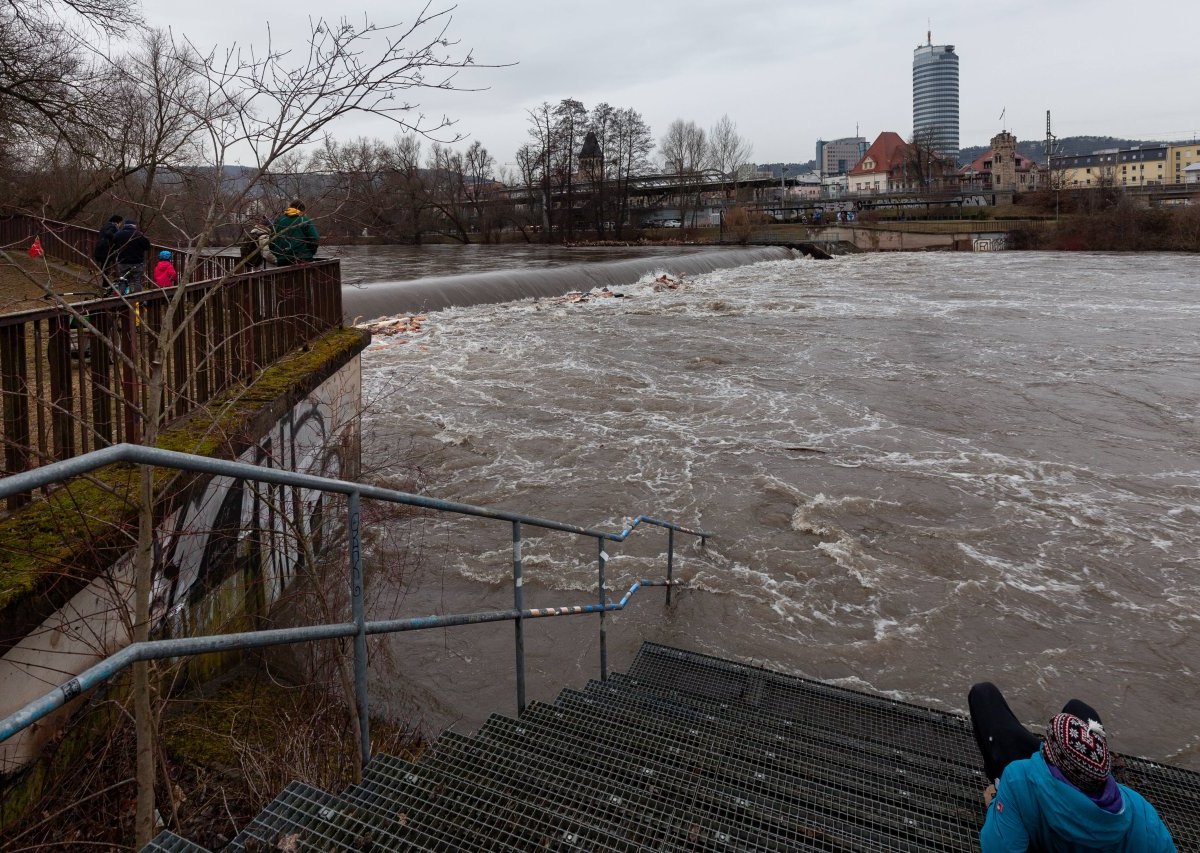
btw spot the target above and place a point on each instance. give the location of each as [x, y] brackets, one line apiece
[130, 247]
[295, 238]
[103, 253]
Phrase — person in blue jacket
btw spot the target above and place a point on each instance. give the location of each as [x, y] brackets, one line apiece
[1058, 795]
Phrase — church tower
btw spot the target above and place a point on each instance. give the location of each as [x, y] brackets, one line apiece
[1004, 161]
[591, 159]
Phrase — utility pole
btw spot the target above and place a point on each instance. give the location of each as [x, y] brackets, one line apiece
[1049, 171]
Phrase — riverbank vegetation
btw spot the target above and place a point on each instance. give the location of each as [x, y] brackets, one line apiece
[1117, 226]
[226, 751]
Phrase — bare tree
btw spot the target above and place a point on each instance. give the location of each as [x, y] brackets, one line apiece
[262, 107]
[47, 83]
[405, 185]
[542, 153]
[924, 169]
[728, 150]
[570, 126]
[529, 165]
[158, 117]
[685, 152]
[479, 180]
[448, 190]
[628, 154]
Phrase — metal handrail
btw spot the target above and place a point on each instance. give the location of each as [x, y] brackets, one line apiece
[359, 628]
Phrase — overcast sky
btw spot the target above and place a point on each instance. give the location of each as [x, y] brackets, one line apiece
[787, 71]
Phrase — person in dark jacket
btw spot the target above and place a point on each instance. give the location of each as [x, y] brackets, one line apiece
[130, 246]
[295, 238]
[1057, 796]
[102, 254]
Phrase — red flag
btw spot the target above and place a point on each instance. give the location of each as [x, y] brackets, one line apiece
[35, 251]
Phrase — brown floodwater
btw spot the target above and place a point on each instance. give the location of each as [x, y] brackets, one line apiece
[921, 470]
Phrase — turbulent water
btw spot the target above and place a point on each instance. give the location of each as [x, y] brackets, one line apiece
[921, 470]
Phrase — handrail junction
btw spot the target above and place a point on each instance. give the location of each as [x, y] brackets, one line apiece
[360, 628]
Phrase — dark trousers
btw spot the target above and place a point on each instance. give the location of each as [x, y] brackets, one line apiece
[1001, 737]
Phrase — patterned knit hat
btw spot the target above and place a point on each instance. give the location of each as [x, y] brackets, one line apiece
[1079, 749]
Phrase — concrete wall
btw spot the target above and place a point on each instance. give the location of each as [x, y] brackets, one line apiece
[881, 240]
[224, 556]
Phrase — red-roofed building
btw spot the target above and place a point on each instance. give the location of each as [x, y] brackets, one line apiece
[1001, 168]
[881, 168]
[892, 165]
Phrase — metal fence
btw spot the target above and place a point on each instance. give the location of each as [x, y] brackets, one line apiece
[68, 386]
[359, 628]
[73, 244]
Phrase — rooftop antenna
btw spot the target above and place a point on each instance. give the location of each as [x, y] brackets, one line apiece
[1003, 110]
[929, 32]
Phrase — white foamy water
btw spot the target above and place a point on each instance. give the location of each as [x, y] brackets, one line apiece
[922, 470]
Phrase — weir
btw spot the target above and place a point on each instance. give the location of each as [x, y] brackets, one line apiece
[390, 298]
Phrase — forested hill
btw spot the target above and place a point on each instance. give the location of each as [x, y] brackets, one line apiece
[1035, 149]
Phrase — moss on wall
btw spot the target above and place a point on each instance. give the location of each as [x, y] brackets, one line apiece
[50, 549]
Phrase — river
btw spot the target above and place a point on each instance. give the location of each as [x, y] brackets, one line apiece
[921, 470]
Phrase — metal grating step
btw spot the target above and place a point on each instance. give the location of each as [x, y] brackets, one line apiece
[874, 717]
[790, 759]
[734, 819]
[685, 753]
[756, 789]
[856, 755]
[951, 736]
[169, 842]
[409, 796]
[497, 817]
[628, 803]
[631, 820]
[1174, 792]
[702, 674]
[304, 818]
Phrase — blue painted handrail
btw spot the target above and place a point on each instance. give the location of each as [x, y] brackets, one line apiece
[359, 628]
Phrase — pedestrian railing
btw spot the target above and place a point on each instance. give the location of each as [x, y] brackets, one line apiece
[74, 244]
[358, 628]
[69, 387]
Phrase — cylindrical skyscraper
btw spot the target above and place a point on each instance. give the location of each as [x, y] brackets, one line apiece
[935, 97]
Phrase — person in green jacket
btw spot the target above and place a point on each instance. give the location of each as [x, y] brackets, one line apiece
[295, 238]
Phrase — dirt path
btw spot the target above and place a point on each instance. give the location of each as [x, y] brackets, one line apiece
[19, 277]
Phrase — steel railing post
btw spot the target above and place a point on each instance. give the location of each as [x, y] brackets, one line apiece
[359, 628]
[518, 623]
[360, 624]
[670, 560]
[603, 613]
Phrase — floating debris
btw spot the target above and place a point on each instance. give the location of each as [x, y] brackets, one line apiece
[665, 282]
[395, 326]
[576, 297]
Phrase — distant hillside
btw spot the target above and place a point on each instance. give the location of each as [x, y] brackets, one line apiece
[1035, 149]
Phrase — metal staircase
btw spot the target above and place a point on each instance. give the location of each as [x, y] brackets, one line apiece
[685, 752]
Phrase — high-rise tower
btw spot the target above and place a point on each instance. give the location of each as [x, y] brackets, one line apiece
[935, 97]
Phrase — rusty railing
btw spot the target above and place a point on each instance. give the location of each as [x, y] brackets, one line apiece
[73, 244]
[66, 390]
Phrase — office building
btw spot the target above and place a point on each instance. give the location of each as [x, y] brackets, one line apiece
[935, 98]
[838, 156]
